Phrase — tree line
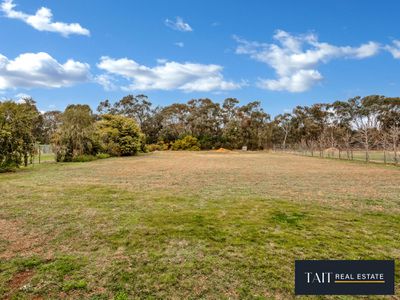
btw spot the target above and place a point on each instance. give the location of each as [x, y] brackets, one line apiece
[133, 124]
[368, 123]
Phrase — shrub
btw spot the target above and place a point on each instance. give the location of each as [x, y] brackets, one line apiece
[164, 146]
[83, 158]
[153, 147]
[102, 155]
[160, 146]
[120, 136]
[8, 166]
[187, 143]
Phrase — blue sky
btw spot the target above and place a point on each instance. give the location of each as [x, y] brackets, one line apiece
[283, 53]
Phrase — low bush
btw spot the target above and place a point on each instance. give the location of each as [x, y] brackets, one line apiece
[8, 166]
[164, 146]
[102, 155]
[187, 143]
[84, 158]
[153, 147]
[160, 146]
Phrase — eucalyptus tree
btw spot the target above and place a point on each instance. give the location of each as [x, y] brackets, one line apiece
[205, 122]
[366, 120]
[342, 118]
[254, 125]
[231, 128]
[136, 107]
[50, 121]
[76, 134]
[174, 122]
[389, 117]
[284, 124]
[309, 126]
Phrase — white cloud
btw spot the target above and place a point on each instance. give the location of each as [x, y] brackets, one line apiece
[299, 81]
[179, 44]
[167, 75]
[394, 49]
[107, 81]
[30, 70]
[295, 58]
[20, 97]
[178, 24]
[42, 20]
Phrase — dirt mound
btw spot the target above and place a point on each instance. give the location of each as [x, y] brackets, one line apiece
[222, 150]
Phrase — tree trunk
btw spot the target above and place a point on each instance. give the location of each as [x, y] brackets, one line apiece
[396, 159]
[284, 140]
[384, 156]
[366, 150]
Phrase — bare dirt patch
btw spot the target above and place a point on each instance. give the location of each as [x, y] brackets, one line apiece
[20, 279]
[19, 242]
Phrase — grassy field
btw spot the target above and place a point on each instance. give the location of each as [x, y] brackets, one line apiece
[189, 225]
[45, 157]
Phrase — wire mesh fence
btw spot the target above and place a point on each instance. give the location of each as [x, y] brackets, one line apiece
[376, 156]
[43, 153]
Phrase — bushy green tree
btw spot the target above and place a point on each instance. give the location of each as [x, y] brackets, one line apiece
[19, 124]
[76, 135]
[119, 135]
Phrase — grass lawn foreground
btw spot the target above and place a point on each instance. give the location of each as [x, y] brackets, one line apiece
[189, 225]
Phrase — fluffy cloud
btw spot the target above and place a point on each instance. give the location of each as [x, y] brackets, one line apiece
[20, 97]
[42, 20]
[394, 49]
[107, 81]
[30, 70]
[167, 75]
[299, 81]
[178, 24]
[295, 58]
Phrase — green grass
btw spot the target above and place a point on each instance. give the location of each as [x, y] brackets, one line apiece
[189, 225]
[46, 157]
